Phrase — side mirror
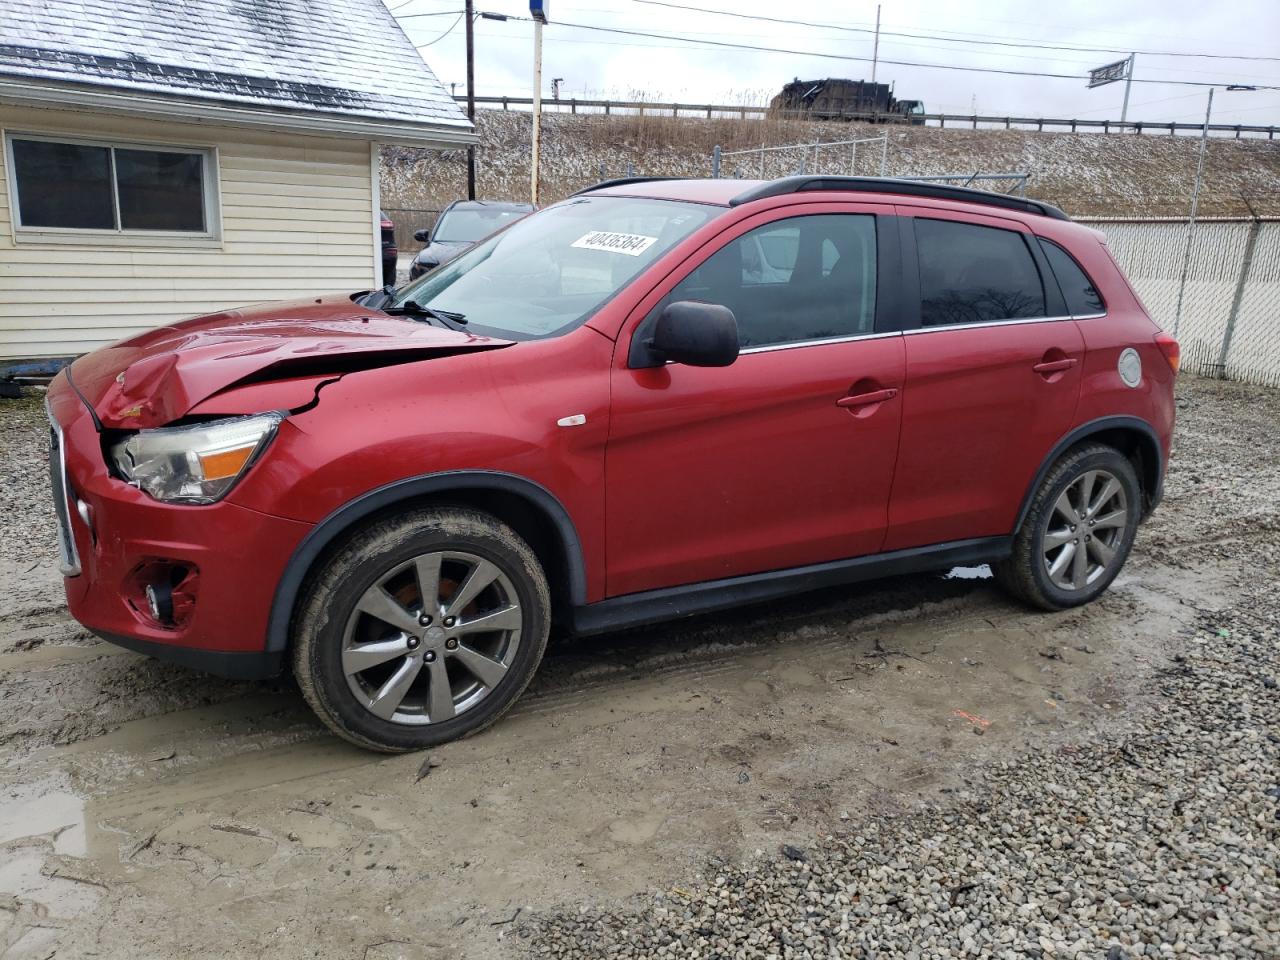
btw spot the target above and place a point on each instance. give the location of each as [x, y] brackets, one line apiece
[693, 333]
[422, 236]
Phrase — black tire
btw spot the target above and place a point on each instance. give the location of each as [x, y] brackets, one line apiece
[328, 610]
[1026, 573]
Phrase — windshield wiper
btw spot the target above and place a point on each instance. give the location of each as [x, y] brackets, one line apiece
[413, 308]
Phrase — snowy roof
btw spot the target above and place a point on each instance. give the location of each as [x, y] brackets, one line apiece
[337, 57]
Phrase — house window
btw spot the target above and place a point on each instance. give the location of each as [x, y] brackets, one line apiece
[74, 185]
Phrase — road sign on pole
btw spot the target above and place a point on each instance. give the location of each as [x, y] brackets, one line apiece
[1101, 76]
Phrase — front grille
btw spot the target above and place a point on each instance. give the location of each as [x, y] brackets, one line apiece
[68, 558]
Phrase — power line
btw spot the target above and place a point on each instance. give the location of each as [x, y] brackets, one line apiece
[453, 26]
[438, 13]
[724, 44]
[689, 36]
[929, 36]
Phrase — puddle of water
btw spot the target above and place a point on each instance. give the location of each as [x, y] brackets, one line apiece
[33, 812]
[980, 572]
[24, 876]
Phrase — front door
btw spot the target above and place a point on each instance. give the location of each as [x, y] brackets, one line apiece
[785, 458]
[993, 376]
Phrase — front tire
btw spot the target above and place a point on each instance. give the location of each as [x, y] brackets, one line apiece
[1078, 532]
[421, 629]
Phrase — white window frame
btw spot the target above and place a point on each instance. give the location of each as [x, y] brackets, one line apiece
[210, 236]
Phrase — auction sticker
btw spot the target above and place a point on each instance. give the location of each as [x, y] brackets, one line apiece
[632, 244]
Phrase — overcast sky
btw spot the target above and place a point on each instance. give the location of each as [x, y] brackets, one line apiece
[618, 66]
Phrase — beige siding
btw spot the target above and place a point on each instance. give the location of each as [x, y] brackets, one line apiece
[296, 219]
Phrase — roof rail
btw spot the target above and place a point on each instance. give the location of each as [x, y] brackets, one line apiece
[911, 188]
[620, 182]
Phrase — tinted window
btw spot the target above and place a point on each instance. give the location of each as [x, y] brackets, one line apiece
[973, 274]
[800, 279]
[160, 190]
[63, 185]
[101, 187]
[1081, 295]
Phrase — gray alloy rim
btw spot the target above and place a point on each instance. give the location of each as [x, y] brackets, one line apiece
[1085, 530]
[431, 638]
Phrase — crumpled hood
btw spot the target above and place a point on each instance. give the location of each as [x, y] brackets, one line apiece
[156, 377]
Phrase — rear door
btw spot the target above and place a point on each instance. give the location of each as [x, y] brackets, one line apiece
[785, 458]
[992, 380]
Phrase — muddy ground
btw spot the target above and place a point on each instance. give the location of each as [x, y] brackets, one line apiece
[146, 811]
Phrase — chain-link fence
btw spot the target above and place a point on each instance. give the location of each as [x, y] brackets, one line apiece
[407, 221]
[1230, 322]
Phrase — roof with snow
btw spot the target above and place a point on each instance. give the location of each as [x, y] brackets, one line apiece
[346, 58]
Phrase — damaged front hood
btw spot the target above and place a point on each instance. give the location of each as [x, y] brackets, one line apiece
[157, 377]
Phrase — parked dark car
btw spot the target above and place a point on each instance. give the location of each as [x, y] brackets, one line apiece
[389, 251]
[651, 400]
[460, 225]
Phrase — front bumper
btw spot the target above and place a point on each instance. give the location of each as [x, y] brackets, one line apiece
[119, 535]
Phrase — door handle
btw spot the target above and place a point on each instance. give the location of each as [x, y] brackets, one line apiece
[1053, 366]
[866, 399]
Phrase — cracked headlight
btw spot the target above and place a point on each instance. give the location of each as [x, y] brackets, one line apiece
[199, 463]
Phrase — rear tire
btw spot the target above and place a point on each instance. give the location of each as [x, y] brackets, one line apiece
[422, 629]
[1078, 532]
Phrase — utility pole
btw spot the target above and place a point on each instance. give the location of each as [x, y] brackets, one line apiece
[469, 13]
[538, 19]
[875, 49]
[1128, 82]
[1191, 223]
[555, 87]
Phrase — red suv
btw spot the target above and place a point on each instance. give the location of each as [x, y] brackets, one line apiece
[654, 399]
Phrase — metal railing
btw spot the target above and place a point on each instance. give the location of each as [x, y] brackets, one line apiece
[1019, 180]
[805, 151]
[974, 121]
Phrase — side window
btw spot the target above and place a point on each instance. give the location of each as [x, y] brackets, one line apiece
[974, 274]
[1081, 295]
[794, 280]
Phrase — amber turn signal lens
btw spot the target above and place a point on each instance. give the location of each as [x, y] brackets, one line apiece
[224, 463]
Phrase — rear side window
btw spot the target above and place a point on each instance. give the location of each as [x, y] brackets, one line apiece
[793, 281]
[974, 274]
[1081, 295]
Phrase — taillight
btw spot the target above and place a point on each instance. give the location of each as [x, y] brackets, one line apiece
[1172, 352]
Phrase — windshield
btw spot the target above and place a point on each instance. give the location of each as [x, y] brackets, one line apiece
[468, 226]
[554, 269]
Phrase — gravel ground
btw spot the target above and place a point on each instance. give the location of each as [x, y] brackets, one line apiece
[27, 529]
[1161, 840]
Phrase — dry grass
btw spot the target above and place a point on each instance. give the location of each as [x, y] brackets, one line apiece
[1086, 174]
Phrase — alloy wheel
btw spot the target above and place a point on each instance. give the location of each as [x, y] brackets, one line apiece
[1085, 531]
[432, 637]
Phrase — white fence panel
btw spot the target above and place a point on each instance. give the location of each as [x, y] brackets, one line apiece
[1151, 254]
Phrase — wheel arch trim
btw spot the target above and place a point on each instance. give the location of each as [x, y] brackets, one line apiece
[344, 517]
[1150, 444]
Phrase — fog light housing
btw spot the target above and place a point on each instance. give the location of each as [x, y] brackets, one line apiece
[162, 593]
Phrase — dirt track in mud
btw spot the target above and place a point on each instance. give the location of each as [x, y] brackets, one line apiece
[146, 811]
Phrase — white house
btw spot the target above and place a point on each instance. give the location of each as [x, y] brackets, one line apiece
[166, 158]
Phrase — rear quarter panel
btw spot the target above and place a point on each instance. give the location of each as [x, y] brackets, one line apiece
[1125, 324]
